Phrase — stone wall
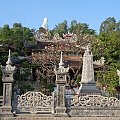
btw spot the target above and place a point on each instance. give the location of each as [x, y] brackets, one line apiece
[84, 112]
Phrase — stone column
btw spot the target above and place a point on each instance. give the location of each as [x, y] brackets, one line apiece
[61, 74]
[88, 85]
[7, 80]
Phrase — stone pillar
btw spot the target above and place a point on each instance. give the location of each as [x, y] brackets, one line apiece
[7, 80]
[61, 74]
[88, 85]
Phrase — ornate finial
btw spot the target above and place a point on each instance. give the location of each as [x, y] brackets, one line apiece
[61, 60]
[9, 59]
[61, 68]
[88, 47]
[8, 68]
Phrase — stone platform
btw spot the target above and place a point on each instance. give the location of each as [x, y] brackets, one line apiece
[89, 88]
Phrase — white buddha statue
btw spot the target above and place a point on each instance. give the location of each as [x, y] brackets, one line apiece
[45, 23]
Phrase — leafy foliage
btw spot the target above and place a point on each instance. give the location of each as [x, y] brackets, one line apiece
[16, 36]
[75, 27]
[109, 47]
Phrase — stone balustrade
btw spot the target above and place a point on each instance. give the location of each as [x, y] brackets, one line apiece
[56, 107]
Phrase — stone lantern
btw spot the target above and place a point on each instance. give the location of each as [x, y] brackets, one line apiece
[61, 75]
[7, 80]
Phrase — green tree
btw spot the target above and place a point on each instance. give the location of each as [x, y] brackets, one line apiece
[108, 46]
[108, 25]
[5, 34]
[80, 28]
[21, 34]
[61, 28]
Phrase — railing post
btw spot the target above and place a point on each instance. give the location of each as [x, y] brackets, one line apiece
[7, 80]
[61, 80]
[53, 106]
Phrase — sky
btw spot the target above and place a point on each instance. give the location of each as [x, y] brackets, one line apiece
[30, 13]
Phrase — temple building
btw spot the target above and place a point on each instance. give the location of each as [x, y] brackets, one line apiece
[45, 55]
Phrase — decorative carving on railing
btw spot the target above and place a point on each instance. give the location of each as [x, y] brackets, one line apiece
[35, 102]
[95, 101]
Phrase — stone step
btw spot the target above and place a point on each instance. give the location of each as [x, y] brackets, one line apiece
[59, 118]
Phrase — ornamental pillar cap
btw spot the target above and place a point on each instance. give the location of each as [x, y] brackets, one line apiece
[8, 68]
[61, 64]
[9, 62]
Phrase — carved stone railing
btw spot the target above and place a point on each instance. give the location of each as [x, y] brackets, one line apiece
[95, 101]
[34, 102]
